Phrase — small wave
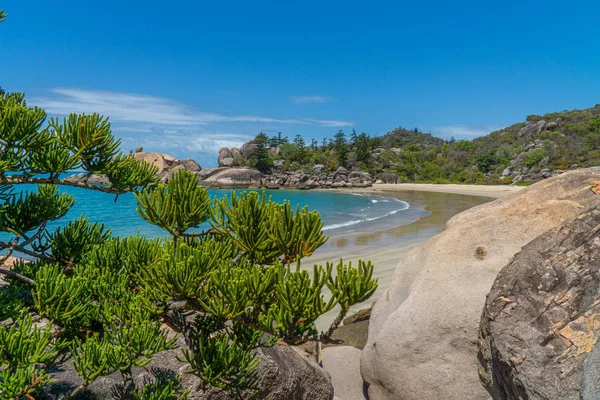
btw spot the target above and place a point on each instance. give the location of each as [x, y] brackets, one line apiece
[343, 224]
[374, 201]
[405, 206]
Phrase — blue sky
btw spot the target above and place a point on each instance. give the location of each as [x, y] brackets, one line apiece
[189, 77]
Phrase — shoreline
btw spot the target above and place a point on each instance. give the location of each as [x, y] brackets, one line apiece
[387, 248]
[493, 191]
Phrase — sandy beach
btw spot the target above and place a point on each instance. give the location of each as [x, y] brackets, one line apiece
[493, 191]
[386, 248]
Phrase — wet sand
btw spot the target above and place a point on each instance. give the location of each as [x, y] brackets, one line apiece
[386, 248]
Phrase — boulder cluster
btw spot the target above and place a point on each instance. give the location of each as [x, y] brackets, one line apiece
[317, 179]
[231, 173]
[167, 165]
[519, 169]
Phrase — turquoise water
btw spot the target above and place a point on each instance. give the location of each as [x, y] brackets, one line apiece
[341, 212]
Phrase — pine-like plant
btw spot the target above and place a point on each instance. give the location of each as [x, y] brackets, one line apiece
[229, 289]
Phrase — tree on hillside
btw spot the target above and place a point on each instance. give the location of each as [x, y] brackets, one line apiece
[362, 147]
[340, 145]
[278, 140]
[226, 276]
[353, 137]
[299, 141]
[314, 145]
[260, 158]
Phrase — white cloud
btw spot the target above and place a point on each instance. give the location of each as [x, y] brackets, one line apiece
[135, 108]
[308, 99]
[463, 131]
[165, 125]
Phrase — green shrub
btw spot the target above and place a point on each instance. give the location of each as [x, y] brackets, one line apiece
[225, 288]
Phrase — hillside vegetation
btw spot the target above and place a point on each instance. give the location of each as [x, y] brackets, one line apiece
[540, 147]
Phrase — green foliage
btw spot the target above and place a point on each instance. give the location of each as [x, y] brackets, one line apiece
[77, 238]
[30, 210]
[176, 207]
[24, 344]
[27, 350]
[260, 158]
[485, 162]
[535, 156]
[340, 144]
[163, 386]
[228, 290]
[18, 383]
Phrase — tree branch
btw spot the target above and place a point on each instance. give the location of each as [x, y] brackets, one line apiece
[13, 274]
[4, 245]
[16, 180]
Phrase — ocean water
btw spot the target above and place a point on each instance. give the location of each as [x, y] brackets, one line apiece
[342, 213]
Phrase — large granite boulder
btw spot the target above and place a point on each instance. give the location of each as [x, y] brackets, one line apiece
[342, 363]
[389, 178]
[224, 153]
[423, 330]
[84, 178]
[190, 165]
[155, 159]
[284, 374]
[532, 129]
[248, 149]
[230, 178]
[167, 165]
[542, 316]
[235, 153]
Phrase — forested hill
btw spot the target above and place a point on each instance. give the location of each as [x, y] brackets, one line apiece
[538, 148]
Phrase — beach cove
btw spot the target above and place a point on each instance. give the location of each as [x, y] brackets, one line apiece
[386, 248]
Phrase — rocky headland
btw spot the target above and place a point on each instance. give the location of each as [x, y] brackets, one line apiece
[538, 325]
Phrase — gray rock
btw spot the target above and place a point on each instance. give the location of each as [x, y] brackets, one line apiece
[278, 163]
[235, 152]
[77, 178]
[361, 176]
[590, 380]
[223, 154]
[95, 179]
[341, 171]
[532, 129]
[423, 331]
[389, 178]
[232, 178]
[139, 149]
[284, 374]
[208, 172]
[191, 165]
[506, 173]
[343, 365]
[274, 151]
[170, 160]
[226, 162]
[539, 323]
[98, 179]
[545, 173]
[247, 150]
[318, 168]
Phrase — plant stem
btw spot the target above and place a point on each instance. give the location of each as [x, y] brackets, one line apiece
[13, 274]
